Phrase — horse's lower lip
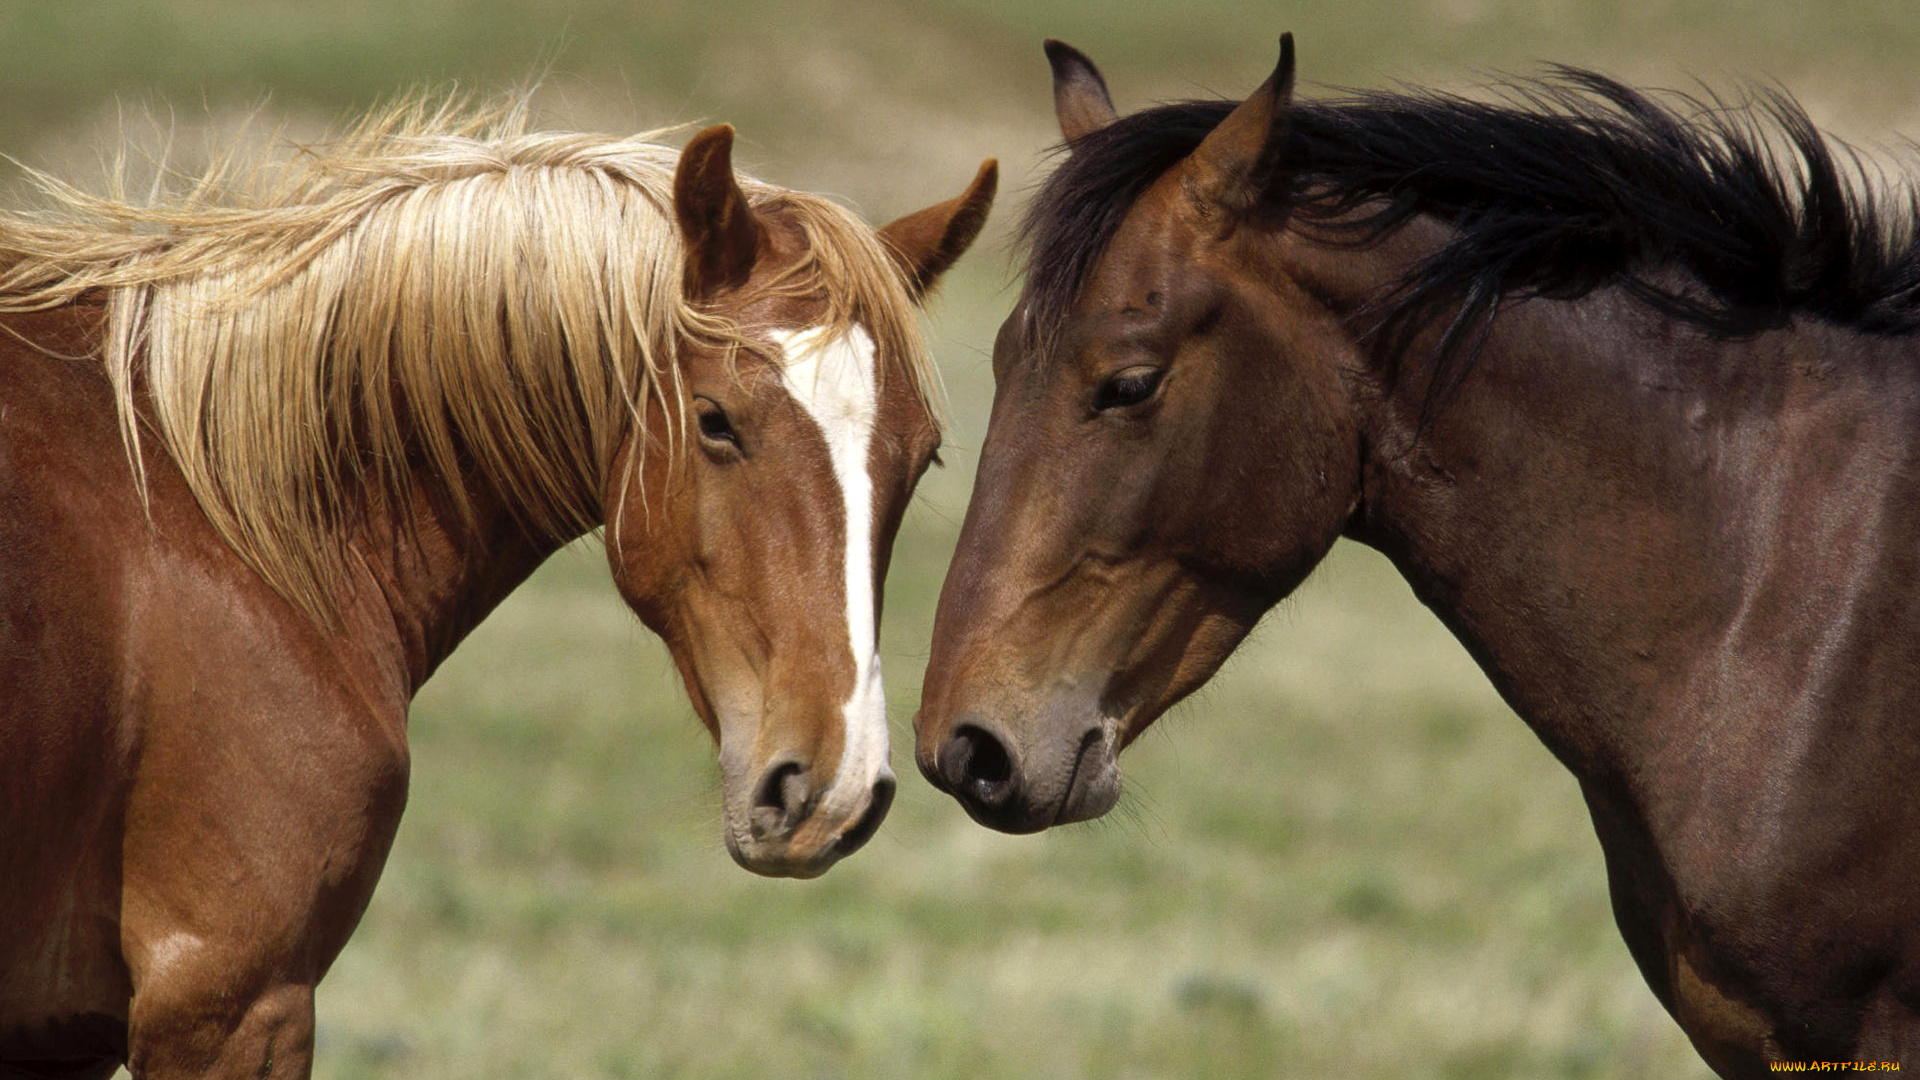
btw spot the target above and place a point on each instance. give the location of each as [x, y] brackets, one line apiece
[1094, 786]
[1078, 780]
[785, 863]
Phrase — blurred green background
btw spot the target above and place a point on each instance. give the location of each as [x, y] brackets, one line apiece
[1345, 858]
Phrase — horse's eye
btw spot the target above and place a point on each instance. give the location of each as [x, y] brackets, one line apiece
[715, 429]
[1128, 387]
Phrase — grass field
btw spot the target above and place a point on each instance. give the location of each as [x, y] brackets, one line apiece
[1346, 858]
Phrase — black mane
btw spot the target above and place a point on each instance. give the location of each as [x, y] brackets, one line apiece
[1571, 183]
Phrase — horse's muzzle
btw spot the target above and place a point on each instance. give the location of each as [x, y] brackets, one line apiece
[1062, 776]
[784, 835]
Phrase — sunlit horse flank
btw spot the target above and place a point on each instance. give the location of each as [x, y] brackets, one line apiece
[1632, 400]
[269, 450]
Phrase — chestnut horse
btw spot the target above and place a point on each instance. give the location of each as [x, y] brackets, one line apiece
[1632, 400]
[266, 458]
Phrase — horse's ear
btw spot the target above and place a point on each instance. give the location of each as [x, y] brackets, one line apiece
[1080, 98]
[721, 233]
[927, 242]
[1228, 173]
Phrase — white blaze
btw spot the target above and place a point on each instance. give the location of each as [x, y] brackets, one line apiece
[834, 381]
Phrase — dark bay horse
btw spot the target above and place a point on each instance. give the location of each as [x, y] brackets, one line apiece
[266, 458]
[1628, 390]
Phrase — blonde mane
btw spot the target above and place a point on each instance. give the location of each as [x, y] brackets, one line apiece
[438, 288]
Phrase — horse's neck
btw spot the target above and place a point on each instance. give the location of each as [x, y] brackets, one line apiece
[436, 572]
[1598, 509]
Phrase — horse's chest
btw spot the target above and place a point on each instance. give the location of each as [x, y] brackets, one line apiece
[1732, 1035]
[63, 995]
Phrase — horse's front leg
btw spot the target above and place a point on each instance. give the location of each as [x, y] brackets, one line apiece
[191, 1025]
[248, 862]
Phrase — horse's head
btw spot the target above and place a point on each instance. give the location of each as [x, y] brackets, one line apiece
[1171, 449]
[754, 536]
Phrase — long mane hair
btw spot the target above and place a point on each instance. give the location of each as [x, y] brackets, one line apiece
[1566, 184]
[438, 287]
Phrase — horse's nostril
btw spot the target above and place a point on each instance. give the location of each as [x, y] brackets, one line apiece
[977, 766]
[780, 803]
[869, 823]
